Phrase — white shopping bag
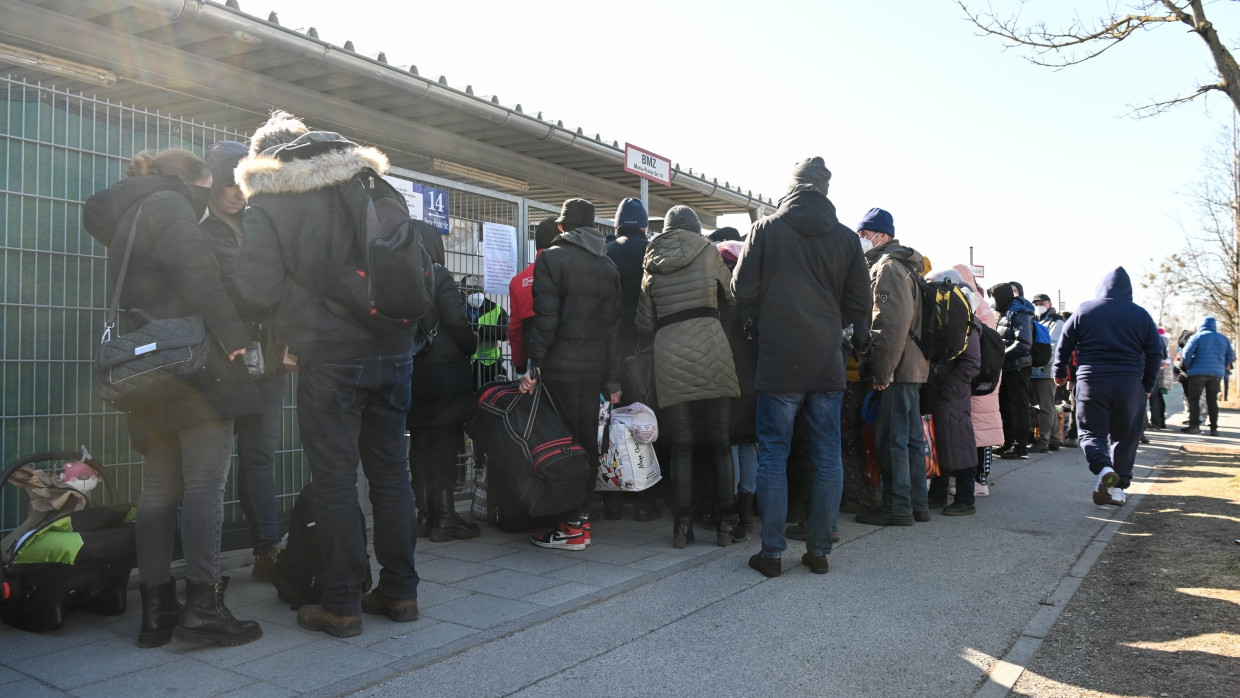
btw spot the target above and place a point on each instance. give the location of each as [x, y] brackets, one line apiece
[628, 462]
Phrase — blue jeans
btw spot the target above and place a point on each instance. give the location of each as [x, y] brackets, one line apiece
[775, 416]
[257, 437]
[901, 455]
[348, 411]
[745, 467]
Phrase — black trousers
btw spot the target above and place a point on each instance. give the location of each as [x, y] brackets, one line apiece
[577, 404]
[709, 420]
[1014, 407]
[1192, 390]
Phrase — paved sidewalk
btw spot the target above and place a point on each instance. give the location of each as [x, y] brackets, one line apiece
[928, 610]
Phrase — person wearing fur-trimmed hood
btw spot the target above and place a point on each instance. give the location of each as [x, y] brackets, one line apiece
[353, 386]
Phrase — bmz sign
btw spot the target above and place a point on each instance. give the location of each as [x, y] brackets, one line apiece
[647, 165]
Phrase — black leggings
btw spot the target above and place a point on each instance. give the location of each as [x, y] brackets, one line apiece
[708, 421]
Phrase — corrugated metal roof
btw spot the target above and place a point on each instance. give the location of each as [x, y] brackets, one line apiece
[216, 64]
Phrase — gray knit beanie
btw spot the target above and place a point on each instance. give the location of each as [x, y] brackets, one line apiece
[682, 218]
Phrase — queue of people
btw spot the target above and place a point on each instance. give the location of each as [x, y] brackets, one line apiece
[762, 347]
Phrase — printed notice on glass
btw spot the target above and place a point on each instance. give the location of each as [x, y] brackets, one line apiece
[499, 257]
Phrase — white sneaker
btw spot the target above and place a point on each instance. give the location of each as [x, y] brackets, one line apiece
[1107, 479]
[1118, 496]
[980, 490]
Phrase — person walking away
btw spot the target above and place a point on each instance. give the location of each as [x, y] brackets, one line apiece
[951, 387]
[1207, 357]
[353, 387]
[186, 435]
[571, 343]
[802, 272]
[1016, 328]
[1042, 382]
[987, 421]
[627, 251]
[695, 377]
[443, 400]
[1118, 357]
[898, 368]
[257, 434]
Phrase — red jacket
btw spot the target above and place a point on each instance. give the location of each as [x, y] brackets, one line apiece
[520, 308]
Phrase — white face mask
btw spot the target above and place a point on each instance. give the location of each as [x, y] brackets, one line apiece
[866, 245]
[475, 300]
[1040, 310]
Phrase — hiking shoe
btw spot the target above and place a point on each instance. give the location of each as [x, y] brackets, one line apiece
[399, 610]
[1107, 479]
[1054, 446]
[958, 509]
[315, 617]
[1118, 496]
[265, 564]
[1039, 448]
[1014, 455]
[566, 536]
[1190, 430]
[768, 566]
[980, 490]
[924, 516]
[796, 531]
[816, 563]
[884, 518]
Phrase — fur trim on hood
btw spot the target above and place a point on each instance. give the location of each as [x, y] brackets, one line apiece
[263, 174]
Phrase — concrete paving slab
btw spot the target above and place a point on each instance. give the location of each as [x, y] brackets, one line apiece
[30, 688]
[259, 689]
[559, 594]
[17, 644]
[446, 571]
[312, 666]
[276, 638]
[470, 551]
[612, 554]
[9, 675]
[481, 611]
[76, 664]
[509, 584]
[532, 560]
[431, 594]
[430, 635]
[184, 675]
[597, 573]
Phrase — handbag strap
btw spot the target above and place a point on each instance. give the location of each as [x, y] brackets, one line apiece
[114, 309]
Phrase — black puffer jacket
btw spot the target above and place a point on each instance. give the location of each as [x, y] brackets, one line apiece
[443, 384]
[572, 336]
[172, 273]
[803, 273]
[627, 251]
[293, 226]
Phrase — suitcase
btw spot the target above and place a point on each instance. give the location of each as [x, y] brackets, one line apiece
[533, 466]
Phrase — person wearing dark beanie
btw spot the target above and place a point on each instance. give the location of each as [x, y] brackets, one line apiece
[627, 250]
[812, 171]
[724, 235]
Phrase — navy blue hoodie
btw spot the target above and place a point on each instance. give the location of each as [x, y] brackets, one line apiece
[1113, 337]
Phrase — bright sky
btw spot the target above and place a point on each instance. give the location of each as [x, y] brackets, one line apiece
[1040, 172]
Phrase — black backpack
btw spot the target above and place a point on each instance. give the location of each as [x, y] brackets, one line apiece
[300, 563]
[942, 333]
[987, 379]
[386, 285]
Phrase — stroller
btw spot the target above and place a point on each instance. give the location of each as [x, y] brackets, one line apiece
[66, 554]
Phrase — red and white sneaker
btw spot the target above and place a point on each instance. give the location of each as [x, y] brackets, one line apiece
[566, 536]
[585, 528]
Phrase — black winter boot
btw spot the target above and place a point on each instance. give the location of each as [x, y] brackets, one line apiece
[160, 613]
[206, 617]
[448, 523]
[730, 531]
[682, 529]
[746, 504]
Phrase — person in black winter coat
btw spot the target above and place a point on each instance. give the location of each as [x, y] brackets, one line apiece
[1016, 318]
[571, 345]
[443, 400]
[257, 434]
[627, 251]
[186, 436]
[353, 383]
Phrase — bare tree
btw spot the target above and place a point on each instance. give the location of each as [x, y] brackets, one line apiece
[1080, 40]
[1165, 285]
